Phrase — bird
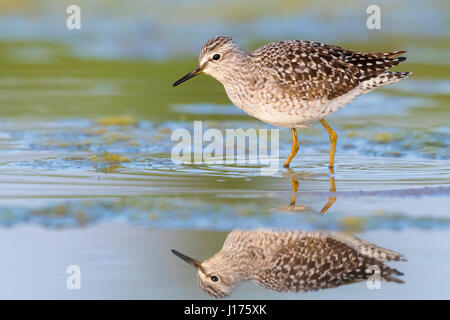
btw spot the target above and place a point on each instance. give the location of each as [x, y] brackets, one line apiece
[292, 261]
[295, 83]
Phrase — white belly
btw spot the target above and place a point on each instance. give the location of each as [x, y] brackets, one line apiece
[293, 113]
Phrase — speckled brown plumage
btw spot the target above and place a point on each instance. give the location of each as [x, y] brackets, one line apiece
[310, 264]
[313, 70]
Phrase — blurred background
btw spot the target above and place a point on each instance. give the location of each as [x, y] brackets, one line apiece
[85, 123]
[97, 69]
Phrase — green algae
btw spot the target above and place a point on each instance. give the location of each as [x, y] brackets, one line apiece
[106, 156]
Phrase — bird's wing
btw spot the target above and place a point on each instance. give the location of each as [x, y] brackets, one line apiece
[319, 261]
[314, 71]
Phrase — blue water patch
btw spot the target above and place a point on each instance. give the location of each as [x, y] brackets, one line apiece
[174, 213]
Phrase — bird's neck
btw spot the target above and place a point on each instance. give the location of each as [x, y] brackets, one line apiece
[238, 72]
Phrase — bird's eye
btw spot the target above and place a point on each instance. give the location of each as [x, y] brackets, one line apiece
[214, 278]
[216, 57]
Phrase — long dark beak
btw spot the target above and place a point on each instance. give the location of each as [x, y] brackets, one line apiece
[191, 74]
[192, 262]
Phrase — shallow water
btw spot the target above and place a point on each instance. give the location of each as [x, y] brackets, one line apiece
[126, 262]
[86, 175]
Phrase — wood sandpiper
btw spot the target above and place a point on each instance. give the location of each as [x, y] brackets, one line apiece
[292, 261]
[295, 83]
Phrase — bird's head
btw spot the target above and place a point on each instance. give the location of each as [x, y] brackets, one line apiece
[220, 57]
[215, 276]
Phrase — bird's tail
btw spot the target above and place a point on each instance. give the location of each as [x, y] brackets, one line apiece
[394, 54]
[373, 68]
[383, 79]
[388, 274]
[385, 61]
[392, 279]
[369, 249]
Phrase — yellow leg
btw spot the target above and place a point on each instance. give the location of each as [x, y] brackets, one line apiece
[294, 149]
[333, 139]
[331, 198]
[294, 183]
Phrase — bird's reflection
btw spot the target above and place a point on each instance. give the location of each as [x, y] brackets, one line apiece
[293, 207]
[292, 261]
